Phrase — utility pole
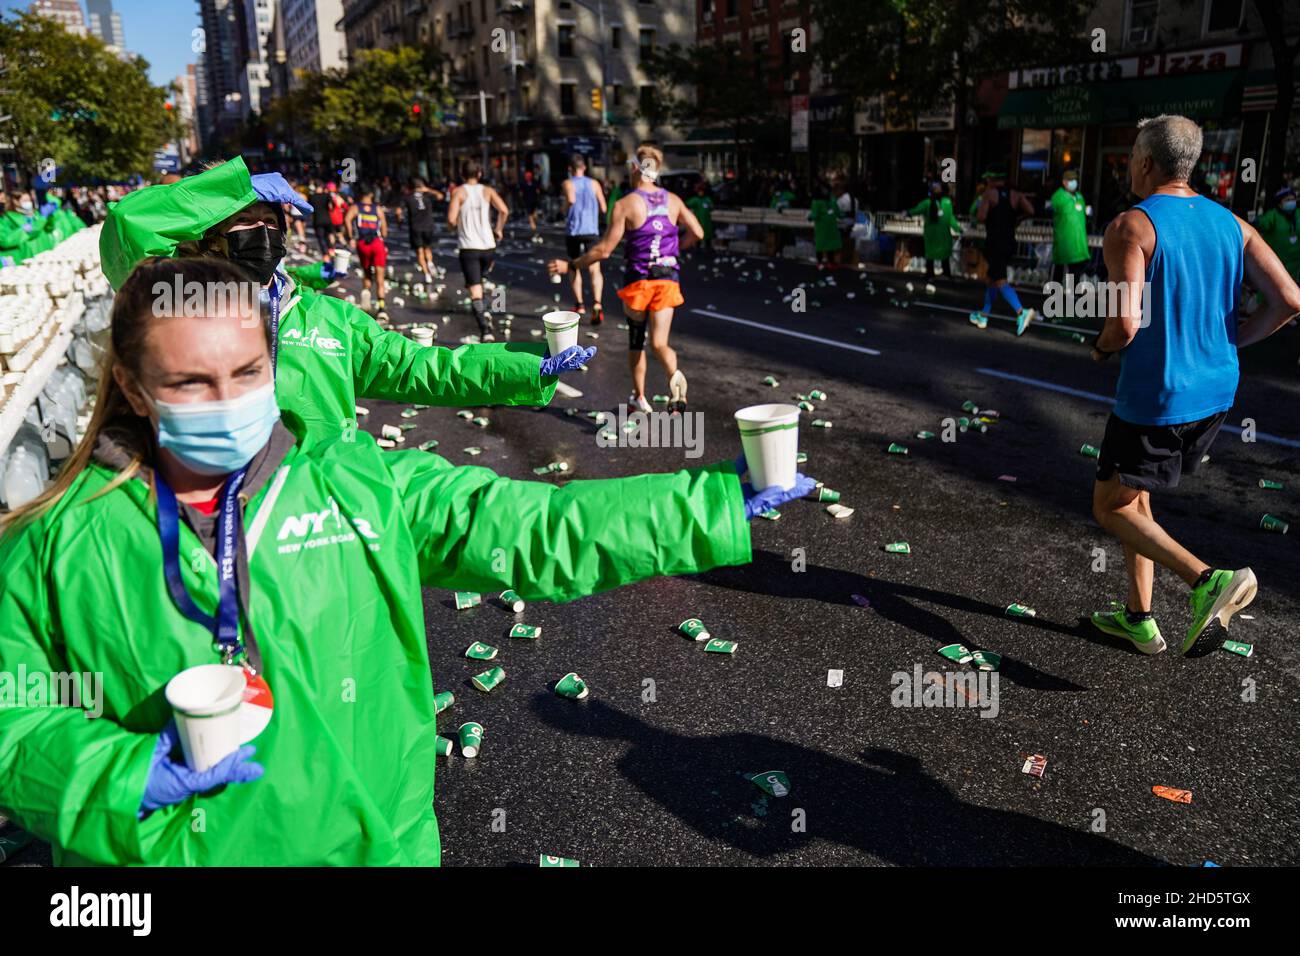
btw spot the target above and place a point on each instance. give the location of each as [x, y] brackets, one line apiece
[484, 139]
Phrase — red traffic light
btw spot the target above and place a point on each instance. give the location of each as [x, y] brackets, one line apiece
[415, 108]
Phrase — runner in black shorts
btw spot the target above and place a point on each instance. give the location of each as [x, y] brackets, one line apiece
[1154, 457]
[420, 220]
[476, 264]
[1000, 208]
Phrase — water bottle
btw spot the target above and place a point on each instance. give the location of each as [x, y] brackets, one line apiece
[23, 480]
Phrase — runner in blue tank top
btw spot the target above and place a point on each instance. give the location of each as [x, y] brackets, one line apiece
[1179, 259]
[586, 203]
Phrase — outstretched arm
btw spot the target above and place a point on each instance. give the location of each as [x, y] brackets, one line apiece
[1264, 271]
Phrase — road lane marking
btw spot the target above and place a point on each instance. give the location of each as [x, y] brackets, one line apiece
[790, 332]
[1095, 397]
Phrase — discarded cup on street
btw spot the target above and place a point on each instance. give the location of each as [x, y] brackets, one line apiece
[512, 600]
[1239, 647]
[958, 653]
[769, 437]
[1273, 523]
[1089, 451]
[971, 407]
[839, 511]
[827, 494]
[444, 746]
[986, 660]
[1269, 485]
[561, 330]
[817, 395]
[489, 678]
[471, 738]
[1019, 610]
[896, 449]
[718, 646]
[467, 599]
[770, 381]
[822, 423]
[772, 782]
[547, 861]
[390, 431]
[694, 628]
[528, 632]
[898, 547]
[442, 700]
[571, 686]
[478, 651]
[924, 435]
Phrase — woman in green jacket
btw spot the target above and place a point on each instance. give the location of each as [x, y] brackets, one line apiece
[305, 563]
[940, 227]
[825, 217]
[327, 352]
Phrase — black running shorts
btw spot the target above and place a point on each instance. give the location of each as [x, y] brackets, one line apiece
[1153, 457]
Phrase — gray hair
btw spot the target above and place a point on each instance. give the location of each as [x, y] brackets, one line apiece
[1172, 142]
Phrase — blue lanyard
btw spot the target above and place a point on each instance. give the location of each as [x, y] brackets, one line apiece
[273, 294]
[225, 626]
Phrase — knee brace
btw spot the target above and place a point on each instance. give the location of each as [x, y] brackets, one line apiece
[636, 335]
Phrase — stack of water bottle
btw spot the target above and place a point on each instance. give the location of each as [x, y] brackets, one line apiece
[54, 312]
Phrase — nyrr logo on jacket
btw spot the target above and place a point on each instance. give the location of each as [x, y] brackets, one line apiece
[312, 339]
[320, 529]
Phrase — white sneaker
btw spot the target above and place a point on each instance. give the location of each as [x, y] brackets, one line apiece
[639, 403]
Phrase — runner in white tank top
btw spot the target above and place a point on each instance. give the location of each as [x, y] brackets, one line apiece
[470, 215]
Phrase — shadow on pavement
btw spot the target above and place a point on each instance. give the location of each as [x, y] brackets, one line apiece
[885, 806]
[769, 574]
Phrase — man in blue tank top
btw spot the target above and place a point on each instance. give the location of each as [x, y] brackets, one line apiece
[1179, 260]
[586, 208]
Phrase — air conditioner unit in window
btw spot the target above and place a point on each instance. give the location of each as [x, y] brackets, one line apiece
[1140, 36]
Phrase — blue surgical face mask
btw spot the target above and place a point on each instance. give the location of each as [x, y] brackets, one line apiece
[216, 438]
[1072, 184]
[1288, 205]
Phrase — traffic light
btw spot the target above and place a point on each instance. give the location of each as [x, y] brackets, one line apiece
[415, 109]
[596, 99]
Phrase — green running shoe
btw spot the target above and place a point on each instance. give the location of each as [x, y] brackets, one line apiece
[1213, 604]
[1145, 635]
[1023, 319]
[978, 320]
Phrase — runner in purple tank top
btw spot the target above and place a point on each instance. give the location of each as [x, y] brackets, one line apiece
[649, 218]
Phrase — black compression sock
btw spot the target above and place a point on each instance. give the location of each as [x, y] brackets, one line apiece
[1205, 576]
[1136, 616]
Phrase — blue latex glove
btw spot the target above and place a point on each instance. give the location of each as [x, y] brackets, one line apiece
[171, 782]
[48, 209]
[570, 360]
[756, 502]
[27, 226]
[272, 187]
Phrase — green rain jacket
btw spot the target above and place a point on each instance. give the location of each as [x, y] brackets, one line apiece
[1280, 232]
[330, 352]
[339, 539]
[825, 218]
[19, 243]
[938, 232]
[1069, 228]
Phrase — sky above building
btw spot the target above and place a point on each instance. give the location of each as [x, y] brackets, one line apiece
[161, 32]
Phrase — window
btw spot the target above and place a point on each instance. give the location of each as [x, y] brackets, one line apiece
[1222, 16]
[706, 10]
[566, 99]
[759, 53]
[646, 98]
[1140, 22]
[486, 67]
[617, 99]
[482, 11]
[566, 39]
[732, 6]
[647, 42]
[616, 37]
[526, 99]
[758, 6]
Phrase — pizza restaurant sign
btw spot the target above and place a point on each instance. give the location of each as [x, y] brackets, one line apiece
[1207, 60]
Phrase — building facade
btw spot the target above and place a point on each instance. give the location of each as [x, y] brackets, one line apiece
[312, 38]
[220, 45]
[66, 12]
[533, 80]
[106, 24]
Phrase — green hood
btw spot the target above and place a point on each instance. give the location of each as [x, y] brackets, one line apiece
[154, 220]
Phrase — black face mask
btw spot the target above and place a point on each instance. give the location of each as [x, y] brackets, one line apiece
[257, 251]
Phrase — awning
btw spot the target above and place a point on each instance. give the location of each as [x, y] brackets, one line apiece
[1259, 93]
[1198, 96]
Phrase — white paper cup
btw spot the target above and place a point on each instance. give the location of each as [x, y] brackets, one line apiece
[206, 700]
[556, 278]
[342, 259]
[422, 336]
[769, 436]
[562, 331]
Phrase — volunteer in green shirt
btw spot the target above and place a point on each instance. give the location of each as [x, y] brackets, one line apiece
[824, 214]
[702, 205]
[328, 352]
[23, 230]
[1069, 228]
[940, 227]
[190, 527]
[1278, 227]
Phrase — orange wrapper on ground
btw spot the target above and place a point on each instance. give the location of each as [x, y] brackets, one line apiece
[1173, 793]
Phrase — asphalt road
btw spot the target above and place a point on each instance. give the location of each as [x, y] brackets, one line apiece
[650, 769]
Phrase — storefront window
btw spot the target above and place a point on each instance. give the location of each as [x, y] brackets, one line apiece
[1067, 153]
[1035, 148]
[1216, 173]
